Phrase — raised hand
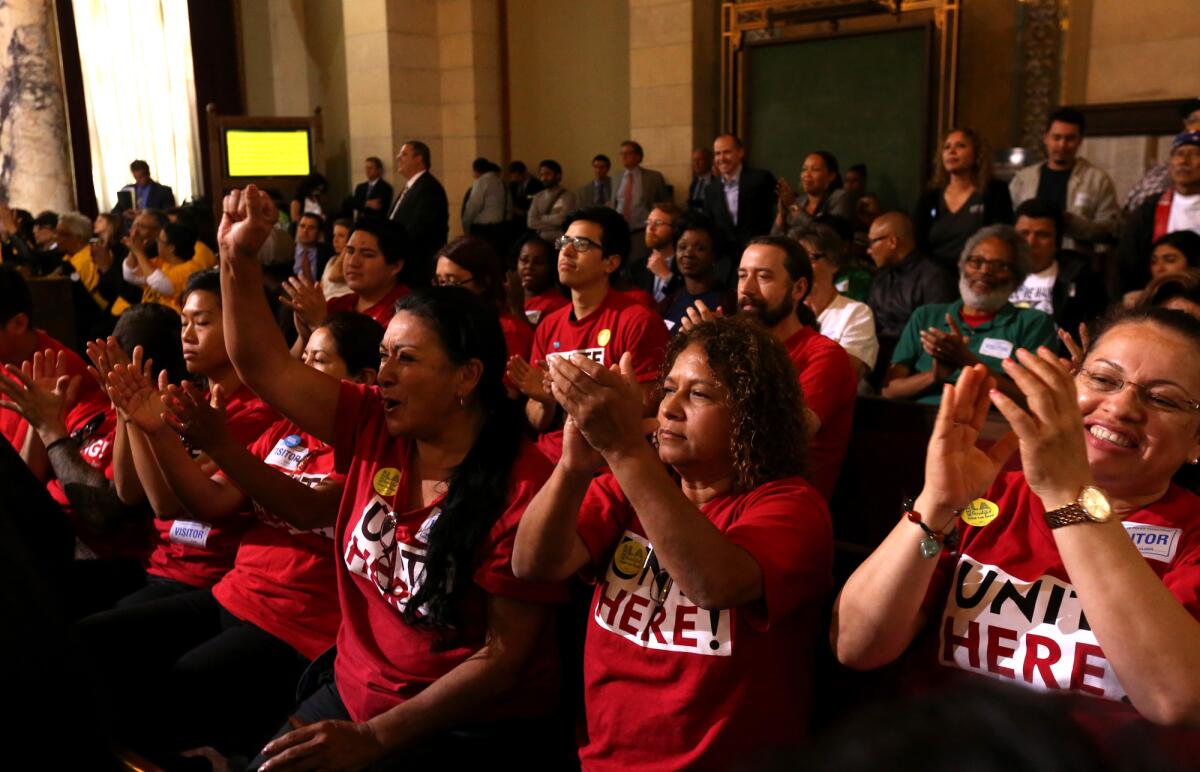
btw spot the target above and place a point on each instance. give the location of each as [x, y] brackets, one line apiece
[956, 470]
[528, 379]
[44, 408]
[248, 217]
[1050, 429]
[697, 313]
[306, 300]
[605, 403]
[1076, 350]
[134, 394]
[201, 423]
[787, 195]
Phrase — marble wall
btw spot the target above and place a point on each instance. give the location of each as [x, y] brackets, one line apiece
[35, 160]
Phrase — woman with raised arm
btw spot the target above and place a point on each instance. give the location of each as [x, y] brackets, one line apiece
[442, 653]
[276, 609]
[1081, 572]
[713, 554]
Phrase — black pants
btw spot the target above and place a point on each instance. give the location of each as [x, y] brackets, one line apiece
[530, 741]
[120, 582]
[182, 672]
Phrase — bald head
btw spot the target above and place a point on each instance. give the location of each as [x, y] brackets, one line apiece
[890, 239]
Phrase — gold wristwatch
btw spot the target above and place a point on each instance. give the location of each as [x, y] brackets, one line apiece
[1091, 507]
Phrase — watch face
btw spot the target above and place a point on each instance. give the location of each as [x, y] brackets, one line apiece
[1096, 503]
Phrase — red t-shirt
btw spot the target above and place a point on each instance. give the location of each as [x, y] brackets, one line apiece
[518, 335]
[89, 402]
[618, 325]
[381, 660]
[641, 297]
[198, 553]
[131, 538]
[1006, 608]
[830, 386]
[541, 304]
[285, 580]
[684, 687]
[381, 312]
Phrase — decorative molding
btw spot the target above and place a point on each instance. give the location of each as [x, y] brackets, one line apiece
[1039, 41]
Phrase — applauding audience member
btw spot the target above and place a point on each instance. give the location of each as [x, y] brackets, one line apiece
[164, 277]
[442, 652]
[236, 650]
[713, 554]
[823, 195]
[600, 322]
[696, 259]
[1059, 579]
[934, 348]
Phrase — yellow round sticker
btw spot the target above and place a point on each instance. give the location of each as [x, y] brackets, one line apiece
[980, 512]
[604, 337]
[629, 558]
[387, 481]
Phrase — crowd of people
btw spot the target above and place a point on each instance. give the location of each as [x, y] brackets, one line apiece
[334, 478]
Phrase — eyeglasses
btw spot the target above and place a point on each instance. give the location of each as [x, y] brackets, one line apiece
[999, 267]
[578, 243]
[450, 281]
[1164, 398]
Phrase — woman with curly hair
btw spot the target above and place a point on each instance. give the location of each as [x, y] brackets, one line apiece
[962, 197]
[712, 570]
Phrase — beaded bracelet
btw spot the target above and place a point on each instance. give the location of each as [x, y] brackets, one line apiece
[933, 541]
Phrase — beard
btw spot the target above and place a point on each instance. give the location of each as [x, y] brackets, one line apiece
[767, 315]
[987, 302]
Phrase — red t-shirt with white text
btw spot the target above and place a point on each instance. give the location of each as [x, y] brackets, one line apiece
[284, 580]
[381, 660]
[675, 686]
[381, 312]
[198, 553]
[617, 325]
[830, 387]
[1006, 608]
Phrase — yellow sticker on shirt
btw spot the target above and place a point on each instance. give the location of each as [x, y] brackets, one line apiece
[980, 512]
[629, 558]
[387, 481]
[604, 337]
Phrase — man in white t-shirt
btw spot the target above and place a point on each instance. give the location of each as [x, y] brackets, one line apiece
[1061, 282]
[1177, 209]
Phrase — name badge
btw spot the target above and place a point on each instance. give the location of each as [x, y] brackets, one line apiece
[1154, 541]
[996, 347]
[190, 533]
[288, 454]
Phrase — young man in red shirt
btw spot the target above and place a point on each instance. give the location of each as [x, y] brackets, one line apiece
[600, 322]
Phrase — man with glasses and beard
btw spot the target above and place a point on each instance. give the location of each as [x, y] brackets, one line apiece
[982, 327]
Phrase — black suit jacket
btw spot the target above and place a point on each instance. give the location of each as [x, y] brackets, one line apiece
[425, 214]
[382, 193]
[756, 213]
[159, 197]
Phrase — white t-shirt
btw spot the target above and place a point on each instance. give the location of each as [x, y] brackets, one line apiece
[851, 324]
[1037, 291]
[1185, 213]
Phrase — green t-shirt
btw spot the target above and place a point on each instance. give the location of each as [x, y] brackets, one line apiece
[993, 341]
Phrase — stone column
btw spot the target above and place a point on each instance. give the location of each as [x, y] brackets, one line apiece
[35, 157]
[673, 76]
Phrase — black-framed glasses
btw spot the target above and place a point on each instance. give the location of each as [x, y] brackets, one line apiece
[578, 243]
[1163, 397]
[450, 281]
[998, 267]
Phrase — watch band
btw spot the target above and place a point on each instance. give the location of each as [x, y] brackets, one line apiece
[1069, 515]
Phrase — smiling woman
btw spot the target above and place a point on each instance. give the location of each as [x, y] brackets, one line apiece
[1068, 573]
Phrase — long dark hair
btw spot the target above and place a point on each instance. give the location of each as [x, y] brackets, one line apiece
[477, 490]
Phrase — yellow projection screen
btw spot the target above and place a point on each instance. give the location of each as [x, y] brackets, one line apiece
[267, 152]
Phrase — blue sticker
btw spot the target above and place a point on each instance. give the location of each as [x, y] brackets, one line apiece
[292, 440]
[557, 345]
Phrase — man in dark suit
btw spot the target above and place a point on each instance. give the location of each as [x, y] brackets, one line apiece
[599, 191]
[635, 192]
[374, 195]
[144, 193]
[423, 210]
[740, 201]
[702, 177]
